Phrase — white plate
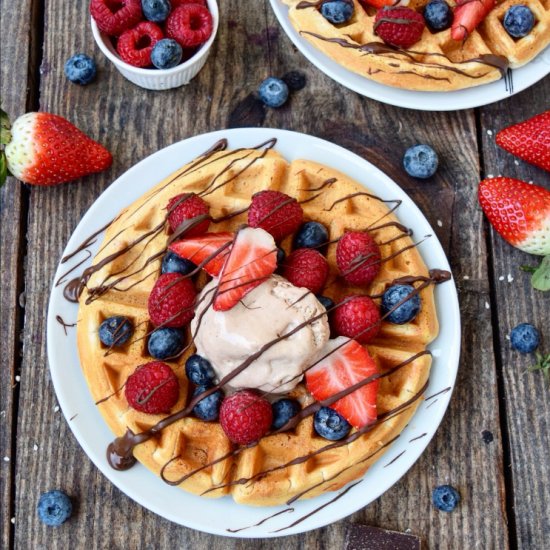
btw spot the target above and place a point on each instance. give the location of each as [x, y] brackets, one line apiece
[514, 82]
[217, 515]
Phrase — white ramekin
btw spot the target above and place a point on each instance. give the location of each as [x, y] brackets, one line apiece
[160, 79]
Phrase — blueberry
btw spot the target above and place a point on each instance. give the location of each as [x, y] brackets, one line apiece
[445, 498]
[273, 92]
[281, 256]
[199, 370]
[438, 15]
[525, 338]
[283, 411]
[172, 263]
[407, 311]
[208, 408]
[54, 508]
[80, 69]
[337, 11]
[165, 343]
[518, 21]
[330, 425]
[166, 53]
[326, 301]
[295, 80]
[156, 10]
[311, 235]
[115, 331]
[420, 161]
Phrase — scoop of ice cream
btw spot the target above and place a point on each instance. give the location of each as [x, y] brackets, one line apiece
[272, 309]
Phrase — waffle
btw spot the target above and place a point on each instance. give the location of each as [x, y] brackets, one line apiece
[227, 180]
[436, 62]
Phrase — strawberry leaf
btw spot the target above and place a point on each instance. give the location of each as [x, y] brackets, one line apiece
[3, 168]
[541, 277]
[543, 364]
[5, 134]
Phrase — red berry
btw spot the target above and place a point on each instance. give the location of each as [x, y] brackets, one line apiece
[245, 417]
[184, 207]
[275, 212]
[135, 45]
[113, 17]
[358, 258]
[178, 3]
[171, 302]
[153, 388]
[307, 268]
[190, 25]
[357, 318]
[397, 26]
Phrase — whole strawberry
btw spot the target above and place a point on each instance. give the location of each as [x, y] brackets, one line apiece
[46, 149]
[186, 207]
[358, 258]
[171, 302]
[397, 26]
[529, 140]
[519, 212]
[306, 268]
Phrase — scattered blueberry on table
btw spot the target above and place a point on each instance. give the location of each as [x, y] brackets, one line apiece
[115, 331]
[166, 53]
[420, 161]
[208, 409]
[525, 338]
[445, 498]
[295, 80]
[518, 21]
[404, 313]
[80, 69]
[54, 508]
[199, 370]
[283, 411]
[273, 92]
[330, 425]
[165, 343]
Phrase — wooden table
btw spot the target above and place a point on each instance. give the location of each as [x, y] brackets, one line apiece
[493, 443]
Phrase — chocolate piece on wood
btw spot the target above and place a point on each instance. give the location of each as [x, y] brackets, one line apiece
[366, 537]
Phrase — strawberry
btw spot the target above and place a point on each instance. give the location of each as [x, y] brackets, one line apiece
[398, 26]
[198, 250]
[185, 207]
[345, 363]
[468, 15]
[376, 3]
[529, 140]
[113, 17]
[253, 258]
[519, 211]
[46, 149]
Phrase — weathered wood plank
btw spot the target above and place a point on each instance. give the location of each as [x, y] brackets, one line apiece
[526, 398]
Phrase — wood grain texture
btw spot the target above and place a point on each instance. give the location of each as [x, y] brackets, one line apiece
[526, 398]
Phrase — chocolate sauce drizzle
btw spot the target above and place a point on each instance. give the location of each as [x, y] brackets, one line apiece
[65, 325]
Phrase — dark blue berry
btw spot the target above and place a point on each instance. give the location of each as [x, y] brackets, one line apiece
[407, 311]
[199, 370]
[525, 338]
[518, 21]
[54, 508]
[273, 92]
[156, 10]
[326, 301]
[80, 69]
[311, 235]
[337, 11]
[165, 343]
[420, 161]
[115, 331]
[283, 411]
[330, 425]
[295, 80]
[166, 53]
[281, 256]
[208, 408]
[172, 263]
[438, 15]
[445, 498]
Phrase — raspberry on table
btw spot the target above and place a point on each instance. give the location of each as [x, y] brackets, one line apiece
[358, 258]
[135, 45]
[399, 26]
[190, 25]
[115, 17]
[171, 302]
[152, 388]
[358, 317]
[276, 213]
[185, 207]
[306, 268]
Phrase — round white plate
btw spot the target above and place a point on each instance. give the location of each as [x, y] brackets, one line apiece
[217, 515]
[515, 80]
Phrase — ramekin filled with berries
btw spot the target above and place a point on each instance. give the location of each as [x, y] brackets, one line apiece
[156, 44]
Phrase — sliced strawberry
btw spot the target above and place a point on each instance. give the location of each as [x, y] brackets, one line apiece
[468, 15]
[345, 366]
[376, 3]
[252, 260]
[199, 249]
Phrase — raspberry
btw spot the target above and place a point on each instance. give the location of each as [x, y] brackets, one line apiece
[184, 207]
[358, 258]
[357, 318]
[113, 17]
[135, 45]
[307, 268]
[397, 26]
[153, 388]
[245, 417]
[275, 212]
[171, 301]
[189, 25]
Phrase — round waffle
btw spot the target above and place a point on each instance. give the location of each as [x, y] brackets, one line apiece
[282, 466]
[436, 62]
